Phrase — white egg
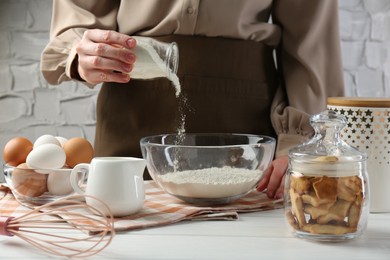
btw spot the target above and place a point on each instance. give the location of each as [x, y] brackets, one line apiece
[46, 139]
[58, 183]
[46, 156]
[62, 140]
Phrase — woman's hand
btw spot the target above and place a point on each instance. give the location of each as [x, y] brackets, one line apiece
[105, 56]
[273, 180]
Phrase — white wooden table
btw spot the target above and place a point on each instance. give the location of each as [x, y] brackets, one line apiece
[262, 235]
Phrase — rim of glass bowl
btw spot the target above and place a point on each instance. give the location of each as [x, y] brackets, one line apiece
[6, 166]
[264, 138]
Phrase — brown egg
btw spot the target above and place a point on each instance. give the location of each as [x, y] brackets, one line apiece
[16, 150]
[78, 150]
[27, 182]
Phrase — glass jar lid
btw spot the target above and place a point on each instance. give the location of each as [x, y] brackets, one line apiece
[326, 153]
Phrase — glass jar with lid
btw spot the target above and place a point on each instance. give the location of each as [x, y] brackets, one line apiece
[326, 189]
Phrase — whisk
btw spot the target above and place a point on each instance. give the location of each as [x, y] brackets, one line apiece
[63, 227]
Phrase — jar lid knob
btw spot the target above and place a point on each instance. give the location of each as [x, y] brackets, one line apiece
[327, 139]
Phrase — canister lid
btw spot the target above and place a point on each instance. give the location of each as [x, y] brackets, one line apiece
[359, 101]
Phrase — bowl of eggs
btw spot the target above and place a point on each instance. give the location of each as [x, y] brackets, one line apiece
[38, 172]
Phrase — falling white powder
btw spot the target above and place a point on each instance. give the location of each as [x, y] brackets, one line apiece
[211, 182]
[176, 83]
[150, 65]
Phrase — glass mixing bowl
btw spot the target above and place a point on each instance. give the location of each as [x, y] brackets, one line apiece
[207, 169]
[37, 186]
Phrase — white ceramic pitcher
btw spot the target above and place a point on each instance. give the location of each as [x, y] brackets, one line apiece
[117, 181]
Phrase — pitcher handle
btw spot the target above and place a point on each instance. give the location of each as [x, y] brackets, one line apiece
[74, 177]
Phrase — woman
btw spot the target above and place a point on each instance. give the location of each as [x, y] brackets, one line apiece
[226, 68]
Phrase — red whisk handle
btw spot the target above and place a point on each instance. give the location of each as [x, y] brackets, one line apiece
[4, 226]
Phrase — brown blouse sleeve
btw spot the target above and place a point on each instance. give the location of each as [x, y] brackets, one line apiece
[70, 18]
[309, 60]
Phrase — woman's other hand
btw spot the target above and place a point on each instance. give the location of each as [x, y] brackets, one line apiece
[105, 56]
[273, 180]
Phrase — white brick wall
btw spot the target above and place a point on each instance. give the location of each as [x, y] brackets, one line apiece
[30, 107]
[365, 39]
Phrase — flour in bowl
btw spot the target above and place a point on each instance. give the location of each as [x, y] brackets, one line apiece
[211, 182]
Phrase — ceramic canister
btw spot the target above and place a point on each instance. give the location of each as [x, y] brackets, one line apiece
[368, 129]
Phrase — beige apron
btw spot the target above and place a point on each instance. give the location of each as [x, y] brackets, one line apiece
[228, 86]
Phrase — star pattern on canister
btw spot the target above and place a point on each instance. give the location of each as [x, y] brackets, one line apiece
[367, 129]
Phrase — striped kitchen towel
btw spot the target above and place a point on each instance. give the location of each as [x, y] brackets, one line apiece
[162, 209]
